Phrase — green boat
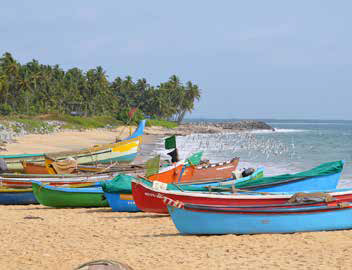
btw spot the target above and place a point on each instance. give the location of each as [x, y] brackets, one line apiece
[68, 197]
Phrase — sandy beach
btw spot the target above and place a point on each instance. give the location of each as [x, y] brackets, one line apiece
[38, 237]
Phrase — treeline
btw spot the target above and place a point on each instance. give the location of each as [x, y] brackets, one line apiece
[34, 88]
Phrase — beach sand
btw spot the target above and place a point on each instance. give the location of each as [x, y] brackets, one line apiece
[38, 237]
[71, 140]
[66, 238]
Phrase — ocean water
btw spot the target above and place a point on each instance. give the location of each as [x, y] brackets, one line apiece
[296, 145]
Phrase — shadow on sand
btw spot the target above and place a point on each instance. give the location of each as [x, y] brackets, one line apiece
[162, 235]
[139, 216]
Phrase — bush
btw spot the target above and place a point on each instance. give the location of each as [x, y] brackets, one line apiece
[125, 118]
[161, 123]
[5, 109]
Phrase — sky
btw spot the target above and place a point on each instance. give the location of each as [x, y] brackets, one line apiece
[251, 59]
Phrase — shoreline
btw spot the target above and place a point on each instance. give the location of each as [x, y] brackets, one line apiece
[68, 140]
[62, 140]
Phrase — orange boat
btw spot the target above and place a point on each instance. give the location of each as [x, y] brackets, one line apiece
[180, 173]
[66, 166]
[34, 168]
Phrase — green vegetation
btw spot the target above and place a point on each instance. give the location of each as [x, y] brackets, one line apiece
[34, 89]
[161, 123]
[39, 124]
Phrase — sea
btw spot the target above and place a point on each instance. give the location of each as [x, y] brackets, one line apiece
[294, 146]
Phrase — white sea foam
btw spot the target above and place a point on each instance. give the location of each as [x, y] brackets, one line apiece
[306, 123]
[278, 130]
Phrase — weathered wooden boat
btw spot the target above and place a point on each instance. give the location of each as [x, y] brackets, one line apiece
[256, 219]
[180, 173]
[68, 197]
[124, 151]
[51, 166]
[15, 196]
[26, 182]
[37, 168]
[323, 178]
[121, 202]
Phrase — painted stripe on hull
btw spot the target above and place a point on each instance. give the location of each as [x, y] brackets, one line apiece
[126, 158]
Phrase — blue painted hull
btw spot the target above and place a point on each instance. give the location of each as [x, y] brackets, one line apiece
[17, 198]
[321, 183]
[126, 158]
[192, 222]
[119, 204]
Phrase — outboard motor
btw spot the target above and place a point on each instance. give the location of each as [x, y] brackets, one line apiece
[248, 172]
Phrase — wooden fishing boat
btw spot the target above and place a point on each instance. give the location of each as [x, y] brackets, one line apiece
[26, 182]
[179, 172]
[124, 151]
[323, 178]
[34, 168]
[256, 219]
[123, 183]
[15, 196]
[68, 197]
[121, 202]
[37, 168]
[118, 191]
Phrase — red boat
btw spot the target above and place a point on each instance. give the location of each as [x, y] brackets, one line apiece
[148, 199]
[180, 173]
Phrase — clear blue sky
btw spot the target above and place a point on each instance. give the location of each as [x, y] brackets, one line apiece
[252, 59]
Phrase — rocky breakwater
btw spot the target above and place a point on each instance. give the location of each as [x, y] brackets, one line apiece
[222, 127]
[211, 127]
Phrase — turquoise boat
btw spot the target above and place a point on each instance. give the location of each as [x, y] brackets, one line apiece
[258, 219]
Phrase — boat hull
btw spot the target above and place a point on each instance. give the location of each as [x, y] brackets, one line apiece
[124, 151]
[193, 222]
[55, 181]
[17, 197]
[121, 202]
[151, 200]
[69, 197]
[181, 174]
[322, 183]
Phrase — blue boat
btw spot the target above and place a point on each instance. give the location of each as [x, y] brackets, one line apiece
[121, 202]
[205, 219]
[17, 196]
